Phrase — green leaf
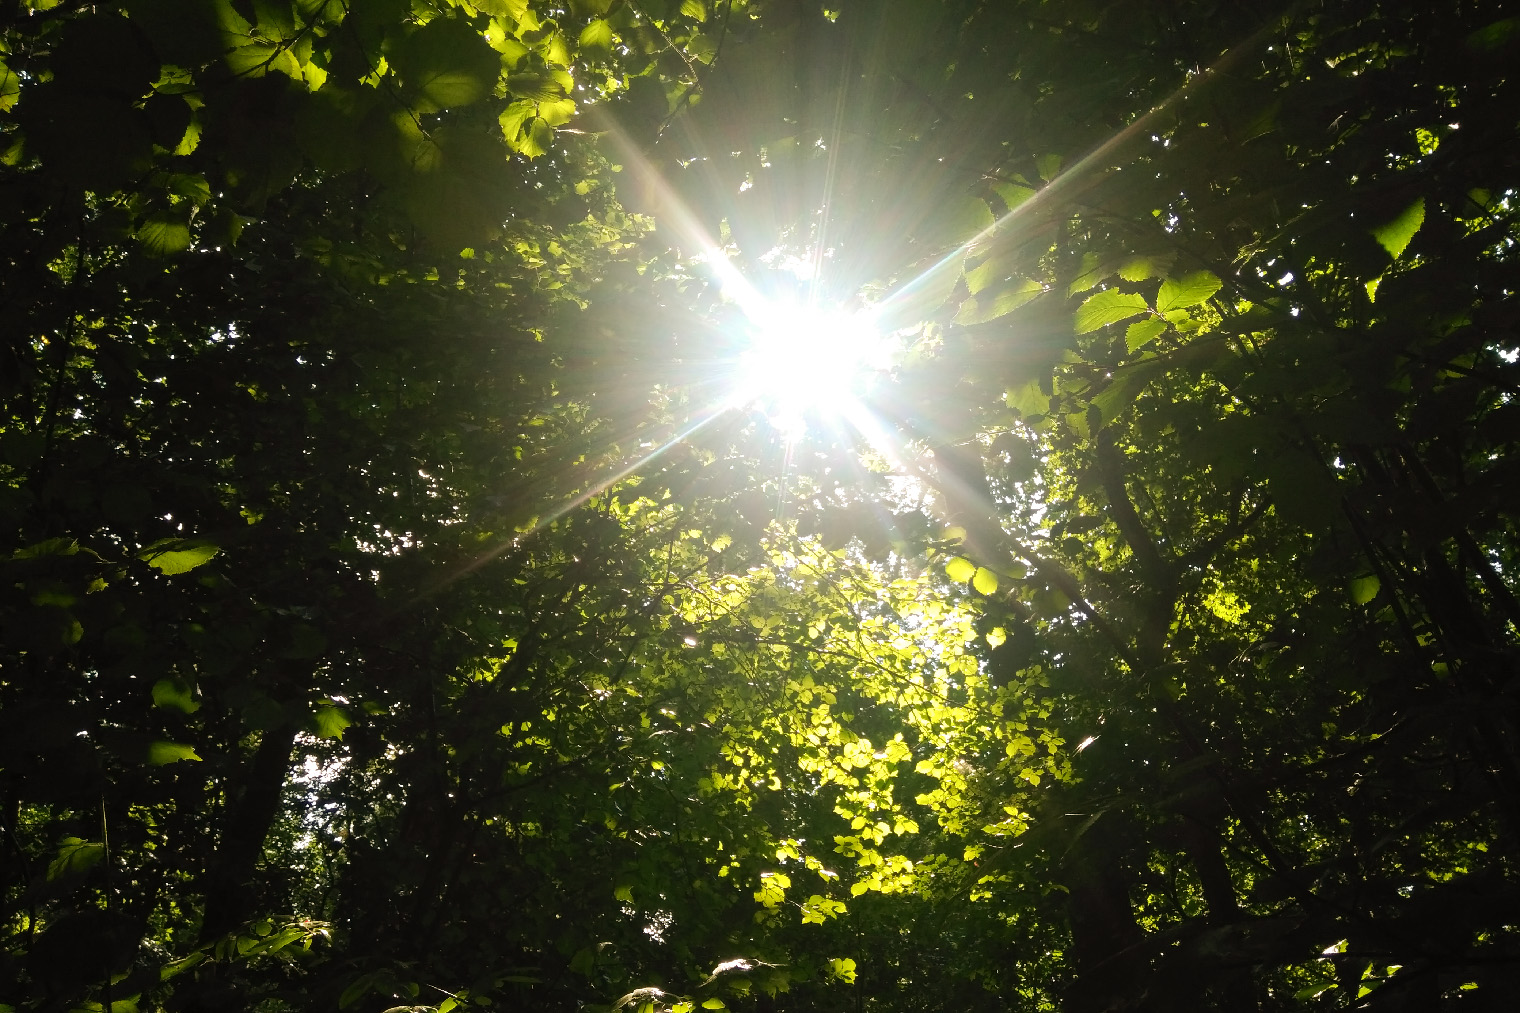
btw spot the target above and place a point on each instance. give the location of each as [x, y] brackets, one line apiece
[329, 722]
[1143, 332]
[597, 35]
[161, 753]
[1028, 399]
[174, 694]
[1013, 194]
[75, 858]
[713, 1003]
[959, 570]
[985, 581]
[1364, 589]
[178, 555]
[1108, 307]
[1395, 236]
[10, 88]
[1141, 268]
[1090, 274]
[446, 64]
[1496, 36]
[1189, 290]
[694, 9]
[988, 271]
[557, 112]
[164, 232]
[624, 893]
[1001, 300]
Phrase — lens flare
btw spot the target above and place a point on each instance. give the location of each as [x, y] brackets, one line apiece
[806, 361]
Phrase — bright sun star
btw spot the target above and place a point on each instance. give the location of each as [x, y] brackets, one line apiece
[807, 361]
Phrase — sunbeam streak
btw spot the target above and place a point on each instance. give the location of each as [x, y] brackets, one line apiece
[1064, 182]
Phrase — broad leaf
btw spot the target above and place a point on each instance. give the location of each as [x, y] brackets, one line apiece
[959, 569]
[1143, 332]
[998, 301]
[1108, 307]
[1189, 290]
[176, 555]
[1395, 236]
[161, 753]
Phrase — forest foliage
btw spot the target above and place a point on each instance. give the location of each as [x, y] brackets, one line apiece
[389, 620]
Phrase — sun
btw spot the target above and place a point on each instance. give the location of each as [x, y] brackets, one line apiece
[805, 362]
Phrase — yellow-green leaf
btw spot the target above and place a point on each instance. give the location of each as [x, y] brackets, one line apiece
[75, 857]
[161, 753]
[10, 88]
[984, 580]
[597, 35]
[164, 232]
[998, 301]
[178, 556]
[1395, 236]
[1013, 194]
[959, 570]
[329, 722]
[1143, 332]
[173, 694]
[1189, 290]
[1108, 307]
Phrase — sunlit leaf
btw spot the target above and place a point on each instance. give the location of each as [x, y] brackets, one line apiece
[164, 232]
[999, 300]
[597, 35]
[1108, 307]
[1143, 332]
[1396, 235]
[175, 556]
[10, 88]
[985, 581]
[173, 694]
[329, 722]
[75, 857]
[1189, 290]
[161, 753]
[959, 569]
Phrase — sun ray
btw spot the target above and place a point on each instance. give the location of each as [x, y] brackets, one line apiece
[1069, 178]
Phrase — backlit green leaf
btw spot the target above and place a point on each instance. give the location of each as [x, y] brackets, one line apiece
[1395, 236]
[329, 722]
[1189, 290]
[985, 581]
[1143, 332]
[173, 694]
[959, 569]
[597, 35]
[10, 88]
[178, 555]
[75, 858]
[161, 753]
[164, 232]
[1108, 307]
[1000, 300]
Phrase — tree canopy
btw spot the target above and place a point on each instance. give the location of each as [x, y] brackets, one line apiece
[421, 592]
